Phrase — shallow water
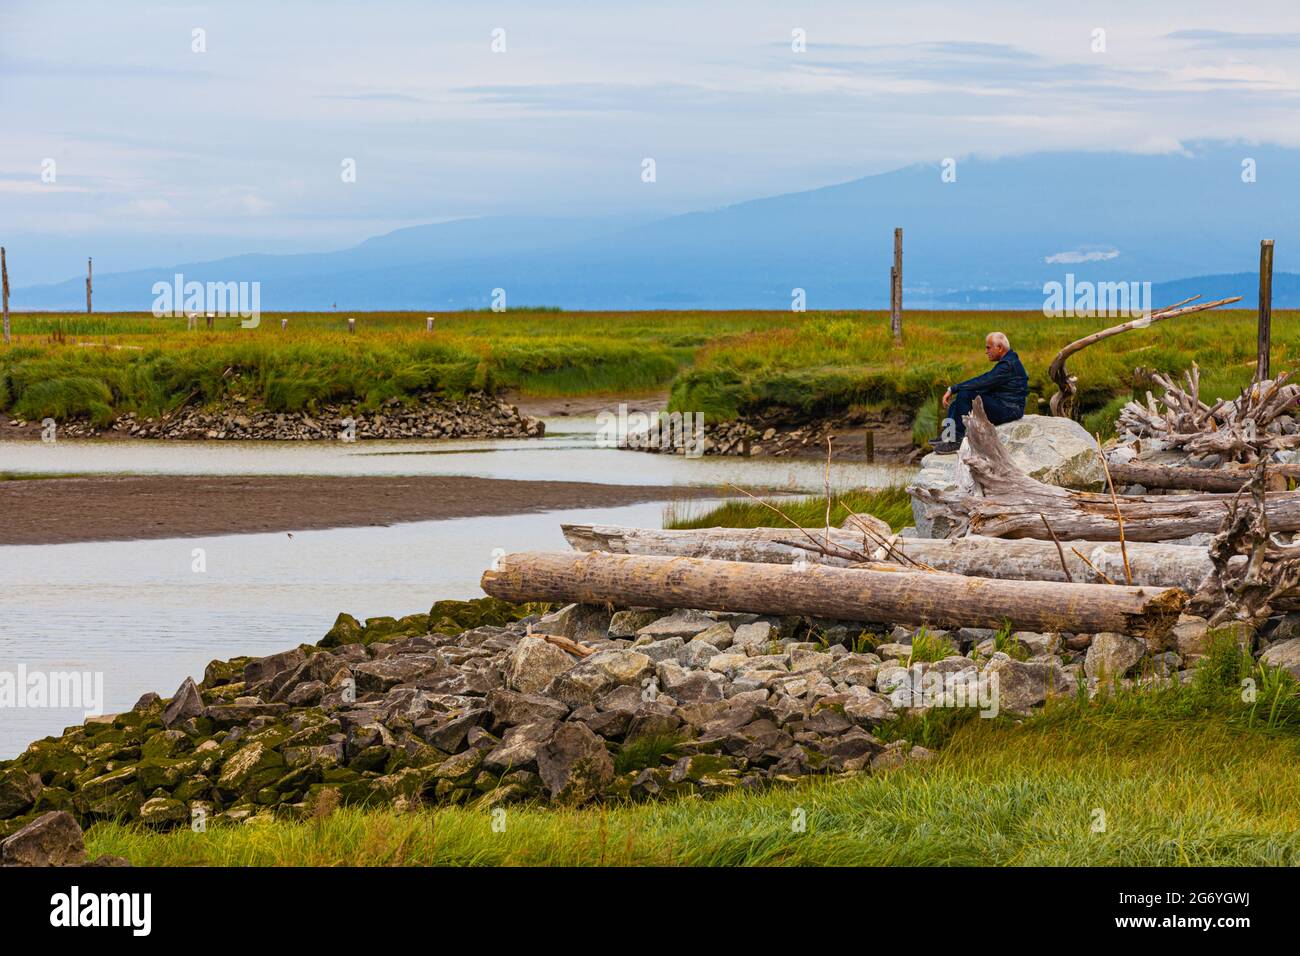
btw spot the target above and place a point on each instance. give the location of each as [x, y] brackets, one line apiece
[568, 453]
[137, 613]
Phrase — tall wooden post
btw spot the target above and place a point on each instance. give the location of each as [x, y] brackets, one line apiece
[896, 288]
[90, 276]
[4, 290]
[1265, 308]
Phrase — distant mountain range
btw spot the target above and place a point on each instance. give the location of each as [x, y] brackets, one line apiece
[1186, 222]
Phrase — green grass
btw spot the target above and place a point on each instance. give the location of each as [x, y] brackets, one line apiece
[833, 360]
[721, 364]
[888, 504]
[927, 646]
[97, 366]
[1190, 792]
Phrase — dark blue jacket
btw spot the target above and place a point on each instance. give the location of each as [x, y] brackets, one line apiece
[1006, 382]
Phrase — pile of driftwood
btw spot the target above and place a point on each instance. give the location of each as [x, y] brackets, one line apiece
[1035, 556]
[1242, 430]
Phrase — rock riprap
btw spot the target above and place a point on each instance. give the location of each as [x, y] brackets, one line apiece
[472, 704]
[476, 415]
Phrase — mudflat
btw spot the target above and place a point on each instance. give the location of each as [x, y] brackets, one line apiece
[121, 508]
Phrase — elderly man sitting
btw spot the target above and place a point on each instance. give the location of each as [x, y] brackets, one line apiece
[1004, 389]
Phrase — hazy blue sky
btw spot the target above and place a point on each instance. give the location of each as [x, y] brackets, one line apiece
[245, 141]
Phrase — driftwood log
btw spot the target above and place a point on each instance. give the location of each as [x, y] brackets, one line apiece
[1062, 403]
[1195, 479]
[898, 597]
[1007, 503]
[1018, 559]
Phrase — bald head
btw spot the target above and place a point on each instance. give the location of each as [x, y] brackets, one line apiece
[996, 345]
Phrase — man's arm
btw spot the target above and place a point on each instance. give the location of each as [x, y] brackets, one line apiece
[995, 378]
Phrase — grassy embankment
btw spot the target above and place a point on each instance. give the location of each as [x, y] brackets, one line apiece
[719, 363]
[1191, 775]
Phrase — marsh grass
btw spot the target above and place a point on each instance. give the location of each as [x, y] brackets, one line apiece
[1173, 792]
[889, 504]
[720, 364]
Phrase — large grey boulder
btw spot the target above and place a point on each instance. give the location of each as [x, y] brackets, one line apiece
[185, 703]
[534, 663]
[53, 839]
[1022, 685]
[1284, 654]
[597, 675]
[574, 764]
[1112, 656]
[1056, 451]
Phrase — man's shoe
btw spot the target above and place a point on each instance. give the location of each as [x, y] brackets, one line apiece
[945, 447]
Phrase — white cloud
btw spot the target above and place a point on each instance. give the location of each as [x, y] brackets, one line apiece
[1075, 256]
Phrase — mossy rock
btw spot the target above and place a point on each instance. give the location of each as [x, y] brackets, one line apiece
[316, 733]
[19, 789]
[374, 757]
[498, 796]
[121, 804]
[272, 735]
[164, 745]
[219, 673]
[406, 783]
[157, 772]
[346, 630]
[53, 798]
[113, 751]
[11, 826]
[98, 787]
[252, 767]
[297, 782]
[454, 617]
[339, 775]
[54, 760]
[620, 788]
[419, 755]
[459, 769]
[193, 788]
[163, 813]
[378, 627]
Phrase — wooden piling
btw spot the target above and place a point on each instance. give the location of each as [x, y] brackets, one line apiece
[4, 290]
[896, 288]
[869, 442]
[1265, 309]
[90, 279]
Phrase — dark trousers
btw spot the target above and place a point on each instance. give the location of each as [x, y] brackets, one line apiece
[999, 412]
